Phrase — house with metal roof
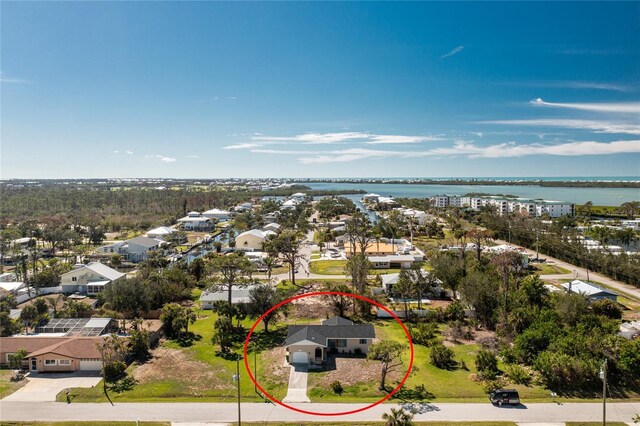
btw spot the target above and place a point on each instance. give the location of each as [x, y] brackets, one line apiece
[589, 290]
[311, 344]
[238, 295]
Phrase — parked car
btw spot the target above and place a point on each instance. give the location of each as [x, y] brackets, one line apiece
[504, 396]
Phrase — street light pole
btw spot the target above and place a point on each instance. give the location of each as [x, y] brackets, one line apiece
[603, 376]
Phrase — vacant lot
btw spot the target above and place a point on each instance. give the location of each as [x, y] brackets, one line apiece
[7, 387]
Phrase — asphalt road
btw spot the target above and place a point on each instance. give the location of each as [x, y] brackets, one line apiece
[227, 412]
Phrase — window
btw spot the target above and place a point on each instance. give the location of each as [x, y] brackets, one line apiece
[64, 362]
[341, 343]
[363, 341]
[50, 362]
[74, 278]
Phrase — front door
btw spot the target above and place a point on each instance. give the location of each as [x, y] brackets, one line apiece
[34, 365]
[318, 353]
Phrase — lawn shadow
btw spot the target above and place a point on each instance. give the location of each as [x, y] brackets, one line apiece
[188, 339]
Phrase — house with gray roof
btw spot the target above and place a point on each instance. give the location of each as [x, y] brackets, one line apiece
[311, 344]
[589, 290]
[89, 279]
[238, 295]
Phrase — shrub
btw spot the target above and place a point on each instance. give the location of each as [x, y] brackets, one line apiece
[607, 308]
[493, 385]
[487, 364]
[442, 357]
[336, 387]
[424, 333]
[357, 351]
[518, 374]
[114, 371]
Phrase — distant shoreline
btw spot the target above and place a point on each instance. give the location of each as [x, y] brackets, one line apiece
[484, 182]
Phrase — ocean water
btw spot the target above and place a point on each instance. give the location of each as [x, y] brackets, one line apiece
[598, 196]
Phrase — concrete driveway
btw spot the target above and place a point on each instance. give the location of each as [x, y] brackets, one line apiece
[45, 387]
[297, 390]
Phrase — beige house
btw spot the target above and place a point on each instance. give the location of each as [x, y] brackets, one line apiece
[252, 240]
[54, 354]
[310, 344]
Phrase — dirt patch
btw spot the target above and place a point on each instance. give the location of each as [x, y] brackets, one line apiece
[175, 365]
[350, 371]
[274, 368]
[311, 309]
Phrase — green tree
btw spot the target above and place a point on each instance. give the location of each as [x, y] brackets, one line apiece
[231, 271]
[262, 298]
[339, 304]
[442, 357]
[397, 417]
[223, 331]
[606, 308]
[16, 359]
[487, 364]
[286, 245]
[28, 316]
[389, 353]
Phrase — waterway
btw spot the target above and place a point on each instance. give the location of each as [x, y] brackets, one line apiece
[598, 196]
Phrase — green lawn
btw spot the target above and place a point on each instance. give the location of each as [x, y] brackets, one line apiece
[545, 269]
[212, 383]
[383, 423]
[110, 423]
[594, 424]
[7, 387]
[336, 267]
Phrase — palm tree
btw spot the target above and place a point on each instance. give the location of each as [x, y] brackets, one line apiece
[397, 417]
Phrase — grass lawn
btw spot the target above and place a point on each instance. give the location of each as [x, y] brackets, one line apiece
[7, 387]
[594, 424]
[336, 267]
[195, 373]
[545, 269]
[383, 423]
[85, 423]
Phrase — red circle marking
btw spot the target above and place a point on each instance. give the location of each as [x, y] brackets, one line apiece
[326, 293]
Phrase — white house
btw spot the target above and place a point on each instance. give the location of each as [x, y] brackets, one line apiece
[403, 261]
[238, 295]
[370, 198]
[289, 205]
[220, 215]
[89, 279]
[299, 197]
[252, 239]
[161, 232]
[271, 227]
[590, 290]
[389, 280]
[194, 221]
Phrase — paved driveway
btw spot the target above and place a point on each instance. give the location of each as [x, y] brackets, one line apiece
[45, 387]
[297, 390]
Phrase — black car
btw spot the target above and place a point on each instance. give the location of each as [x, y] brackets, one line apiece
[504, 396]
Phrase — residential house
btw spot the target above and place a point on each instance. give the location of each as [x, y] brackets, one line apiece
[161, 232]
[630, 330]
[389, 280]
[54, 354]
[370, 198]
[252, 239]
[89, 279]
[401, 261]
[8, 283]
[134, 250]
[217, 214]
[238, 295]
[194, 221]
[289, 205]
[299, 197]
[310, 344]
[590, 290]
[272, 227]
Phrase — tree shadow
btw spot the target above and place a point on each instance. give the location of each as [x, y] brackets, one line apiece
[269, 340]
[188, 339]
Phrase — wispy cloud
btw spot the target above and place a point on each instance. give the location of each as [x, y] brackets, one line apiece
[579, 85]
[116, 152]
[12, 80]
[129, 152]
[589, 51]
[596, 126]
[161, 158]
[616, 107]
[466, 149]
[259, 140]
[242, 146]
[453, 51]
[191, 156]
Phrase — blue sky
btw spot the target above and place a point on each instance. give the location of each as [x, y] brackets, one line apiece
[206, 90]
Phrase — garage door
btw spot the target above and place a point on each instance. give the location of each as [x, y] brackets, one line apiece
[90, 365]
[300, 358]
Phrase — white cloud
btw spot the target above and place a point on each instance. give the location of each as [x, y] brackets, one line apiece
[192, 156]
[597, 126]
[242, 146]
[161, 158]
[453, 51]
[467, 149]
[116, 152]
[12, 80]
[621, 107]
[129, 152]
[334, 138]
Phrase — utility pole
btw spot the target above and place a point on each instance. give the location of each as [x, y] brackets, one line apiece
[236, 379]
[537, 245]
[603, 376]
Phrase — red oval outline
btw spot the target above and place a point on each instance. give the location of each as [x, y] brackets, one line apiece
[326, 293]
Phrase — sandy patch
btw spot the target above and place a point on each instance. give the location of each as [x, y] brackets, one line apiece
[350, 371]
